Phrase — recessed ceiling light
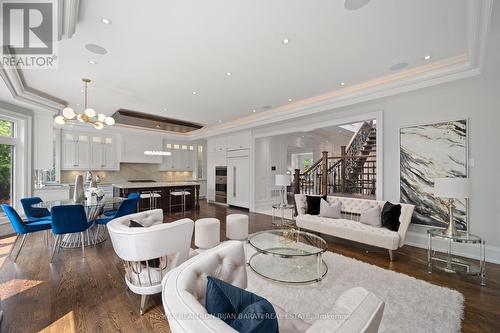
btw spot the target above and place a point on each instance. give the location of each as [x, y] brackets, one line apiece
[303, 136]
[77, 104]
[290, 99]
[220, 121]
[254, 110]
[355, 4]
[342, 84]
[427, 57]
[399, 66]
[106, 21]
[229, 74]
[165, 109]
[195, 92]
[92, 62]
[286, 41]
[97, 49]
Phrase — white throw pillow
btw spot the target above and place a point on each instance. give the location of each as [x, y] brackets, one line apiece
[330, 210]
[371, 216]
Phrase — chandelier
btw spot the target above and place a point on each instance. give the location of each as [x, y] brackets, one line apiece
[88, 116]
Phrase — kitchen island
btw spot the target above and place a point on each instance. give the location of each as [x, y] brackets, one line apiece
[163, 189]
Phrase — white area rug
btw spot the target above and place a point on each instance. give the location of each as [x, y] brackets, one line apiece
[411, 305]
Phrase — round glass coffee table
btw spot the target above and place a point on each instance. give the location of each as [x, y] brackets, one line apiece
[288, 256]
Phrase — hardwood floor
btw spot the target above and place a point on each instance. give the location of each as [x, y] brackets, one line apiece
[89, 295]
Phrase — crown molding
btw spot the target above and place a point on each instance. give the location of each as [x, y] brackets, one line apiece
[68, 18]
[413, 79]
[17, 86]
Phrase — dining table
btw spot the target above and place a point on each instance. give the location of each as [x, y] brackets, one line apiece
[93, 209]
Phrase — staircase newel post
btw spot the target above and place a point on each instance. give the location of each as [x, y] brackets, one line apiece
[296, 181]
[324, 173]
[343, 155]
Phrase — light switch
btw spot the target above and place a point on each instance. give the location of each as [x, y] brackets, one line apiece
[472, 162]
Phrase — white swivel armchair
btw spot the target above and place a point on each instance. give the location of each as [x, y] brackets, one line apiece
[356, 310]
[150, 252]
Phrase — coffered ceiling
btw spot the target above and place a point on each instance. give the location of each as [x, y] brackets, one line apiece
[213, 62]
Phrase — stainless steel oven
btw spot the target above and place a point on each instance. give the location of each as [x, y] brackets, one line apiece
[221, 184]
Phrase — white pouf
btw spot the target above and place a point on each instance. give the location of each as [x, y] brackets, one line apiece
[207, 233]
[237, 227]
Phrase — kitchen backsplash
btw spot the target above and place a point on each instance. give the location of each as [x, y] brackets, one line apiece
[131, 171]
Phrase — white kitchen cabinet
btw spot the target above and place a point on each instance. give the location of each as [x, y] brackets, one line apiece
[238, 181]
[76, 151]
[134, 146]
[103, 153]
[241, 140]
[182, 158]
[56, 192]
[83, 151]
[217, 144]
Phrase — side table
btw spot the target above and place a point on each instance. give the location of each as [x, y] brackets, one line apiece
[452, 263]
[280, 220]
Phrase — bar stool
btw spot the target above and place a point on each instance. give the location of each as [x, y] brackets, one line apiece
[176, 194]
[153, 199]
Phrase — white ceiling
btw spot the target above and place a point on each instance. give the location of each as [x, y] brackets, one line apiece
[160, 51]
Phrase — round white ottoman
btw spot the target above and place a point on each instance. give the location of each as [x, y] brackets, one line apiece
[207, 233]
[237, 227]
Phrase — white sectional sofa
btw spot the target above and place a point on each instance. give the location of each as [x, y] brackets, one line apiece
[184, 288]
[349, 227]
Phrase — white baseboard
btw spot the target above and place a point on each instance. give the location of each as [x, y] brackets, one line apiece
[465, 250]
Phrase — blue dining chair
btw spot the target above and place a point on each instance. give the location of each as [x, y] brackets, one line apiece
[110, 213]
[34, 214]
[22, 228]
[69, 219]
[127, 207]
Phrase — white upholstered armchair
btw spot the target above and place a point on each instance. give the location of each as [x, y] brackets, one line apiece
[184, 290]
[150, 252]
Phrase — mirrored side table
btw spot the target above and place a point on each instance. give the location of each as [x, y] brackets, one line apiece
[280, 219]
[451, 263]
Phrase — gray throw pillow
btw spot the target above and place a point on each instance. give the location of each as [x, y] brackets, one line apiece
[330, 210]
[371, 216]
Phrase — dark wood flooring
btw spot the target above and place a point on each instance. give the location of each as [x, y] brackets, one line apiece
[89, 295]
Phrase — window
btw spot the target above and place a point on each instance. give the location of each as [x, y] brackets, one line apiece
[6, 162]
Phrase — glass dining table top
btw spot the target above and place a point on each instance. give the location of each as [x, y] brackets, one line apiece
[86, 203]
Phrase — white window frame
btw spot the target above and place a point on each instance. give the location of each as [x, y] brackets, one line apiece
[21, 141]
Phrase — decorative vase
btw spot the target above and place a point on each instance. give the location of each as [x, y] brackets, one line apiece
[92, 200]
[79, 193]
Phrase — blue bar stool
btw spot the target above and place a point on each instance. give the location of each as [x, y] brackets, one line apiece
[68, 220]
[23, 227]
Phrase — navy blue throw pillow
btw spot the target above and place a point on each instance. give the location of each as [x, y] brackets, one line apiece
[242, 310]
[390, 216]
[313, 204]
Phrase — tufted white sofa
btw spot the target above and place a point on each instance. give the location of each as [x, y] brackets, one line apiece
[170, 242]
[349, 226]
[184, 288]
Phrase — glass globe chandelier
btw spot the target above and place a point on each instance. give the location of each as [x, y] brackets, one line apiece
[88, 116]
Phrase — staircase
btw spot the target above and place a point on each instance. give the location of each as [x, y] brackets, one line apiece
[352, 173]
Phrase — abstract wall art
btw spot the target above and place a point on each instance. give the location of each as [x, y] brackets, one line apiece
[428, 152]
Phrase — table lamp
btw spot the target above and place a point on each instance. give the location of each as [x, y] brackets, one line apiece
[451, 189]
[283, 181]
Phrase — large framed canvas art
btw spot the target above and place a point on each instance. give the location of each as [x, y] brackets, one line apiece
[428, 152]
